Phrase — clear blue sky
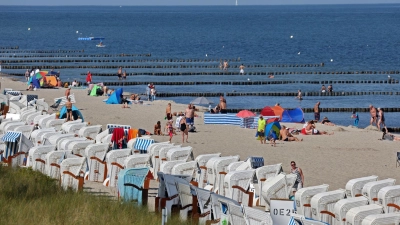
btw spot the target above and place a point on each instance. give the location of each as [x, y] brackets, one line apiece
[189, 2]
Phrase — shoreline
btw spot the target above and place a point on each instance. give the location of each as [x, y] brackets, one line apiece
[324, 159]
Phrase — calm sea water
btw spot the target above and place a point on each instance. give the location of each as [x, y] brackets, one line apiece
[355, 37]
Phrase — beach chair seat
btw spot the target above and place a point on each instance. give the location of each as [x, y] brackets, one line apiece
[389, 198]
[155, 156]
[89, 131]
[187, 168]
[12, 126]
[74, 128]
[254, 216]
[26, 130]
[66, 125]
[322, 205]
[166, 167]
[72, 171]
[64, 99]
[137, 161]
[237, 184]
[41, 105]
[63, 144]
[141, 144]
[55, 123]
[354, 186]
[31, 117]
[381, 219]
[201, 175]
[96, 154]
[216, 171]
[277, 187]
[344, 205]
[78, 147]
[263, 173]
[115, 163]
[371, 189]
[356, 215]
[39, 157]
[303, 198]
[220, 210]
[34, 135]
[53, 161]
[181, 153]
[134, 184]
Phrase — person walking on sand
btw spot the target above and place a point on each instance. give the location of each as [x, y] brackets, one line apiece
[184, 128]
[89, 78]
[189, 114]
[168, 113]
[119, 73]
[299, 183]
[68, 105]
[372, 111]
[261, 129]
[241, 69]
[381, 120]
[317, 110]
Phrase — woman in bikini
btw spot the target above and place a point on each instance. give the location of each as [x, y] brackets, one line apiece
[183, 128]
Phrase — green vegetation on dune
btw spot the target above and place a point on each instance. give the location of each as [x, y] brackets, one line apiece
[29, 197]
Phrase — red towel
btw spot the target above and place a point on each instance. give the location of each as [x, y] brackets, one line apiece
[118, 133]
[303, 131]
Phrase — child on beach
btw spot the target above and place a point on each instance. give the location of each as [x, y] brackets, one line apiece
[157, 129]
[170, 131]
[272, 138]
[355, 117]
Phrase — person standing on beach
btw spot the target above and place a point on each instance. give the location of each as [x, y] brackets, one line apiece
[170, 130]
[124, 75]
[189, 114]
[317, 115]
[225, 65]
[68, 105]
[27, 74]
[220, 64]
[381, 120]
[261, 129]
[184, 128]
[168, 113]
[89, 78]
[241, 68]
[300, 177]
[119, 73]
[372, 111]
[148, 92]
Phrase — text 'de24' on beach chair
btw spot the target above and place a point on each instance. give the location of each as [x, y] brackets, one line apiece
[133, 184]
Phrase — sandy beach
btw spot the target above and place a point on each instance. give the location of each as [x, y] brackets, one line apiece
[324, 159]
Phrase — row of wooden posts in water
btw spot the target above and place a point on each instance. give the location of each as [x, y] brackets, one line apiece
[76, 56]
[276, 94]
[311, 110]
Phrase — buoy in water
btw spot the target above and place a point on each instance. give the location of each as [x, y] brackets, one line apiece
[331, 60]
[29, 28]
[298, 53]
[77, 31]
[291, 36]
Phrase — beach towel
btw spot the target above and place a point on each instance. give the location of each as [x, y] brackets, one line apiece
[303, 131]
[132, 133]
[118, 133]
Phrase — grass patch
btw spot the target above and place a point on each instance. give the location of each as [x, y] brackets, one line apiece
[29, 197]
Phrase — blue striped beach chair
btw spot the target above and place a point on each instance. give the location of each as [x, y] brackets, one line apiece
[133, 184]
[142, 144]
[16, 145]
[13, 93]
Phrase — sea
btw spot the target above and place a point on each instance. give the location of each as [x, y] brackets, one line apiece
[342, 37]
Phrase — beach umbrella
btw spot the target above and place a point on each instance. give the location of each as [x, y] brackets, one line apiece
[201, 101]
[245, 114]
[272, 127]
[43, 73]
[267, 111]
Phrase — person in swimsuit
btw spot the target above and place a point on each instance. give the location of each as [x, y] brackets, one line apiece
[326, 121]
[68, 105]
[323, 89]
[330, 88]
[299, 95]
[286, 135]
[381, 120]
[168, 113]
[241, 68]
[119, 73]
[300, 177]
[372, 111]
[157, 129]
[355, 117]
[317, 110]
[184, 128]
[170, 131]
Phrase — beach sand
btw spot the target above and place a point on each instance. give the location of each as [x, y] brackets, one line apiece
[324, 159]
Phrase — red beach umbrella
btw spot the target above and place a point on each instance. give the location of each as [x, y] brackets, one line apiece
[245, 114]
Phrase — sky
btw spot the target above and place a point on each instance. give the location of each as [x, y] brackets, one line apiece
[189, 2]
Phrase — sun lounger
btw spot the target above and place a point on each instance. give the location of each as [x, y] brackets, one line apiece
[254, 216]
[26, 130]
[95, 154]
[303, 198]
[55, 123]
[133, 184]
[39, 157]
[279, 187]
[322, 205]
[201, 160]
[90, 131]
[72, 171]
[389, 198]
[78, 147]
[236, 186]
[343, 206]
[354, 186]
[380, 219]
[371, 189]
[137, 161]
[356, 215]
[115, 163]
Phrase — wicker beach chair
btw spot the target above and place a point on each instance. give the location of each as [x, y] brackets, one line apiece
[343, 206]
[203, 202]
[166, 167]
[277, 187]
[74, 128]
[254, 216]
[38, 118]
[66, 125]
[133, 184]
[389, 198]
[72, 171]
[236, 214]
[44, 137]
[53, 160]
[233, 166]
[201, 175]
[78, 147]
[54, 139]
[26, 113]
[65, 99]
[322, 205]
[155, 155]
[39, 157]
[303, 198]
[90, 131]
[63, 144]
[41, 105]
[181, 153]
[185, 198]
[95, 154]
[219, 206]
[263, 174]
[115, 163]
[137, 161]
[301, 220]
[380, 219]
[371, 189]
[12, 126]
[55, 123]
[26, 130]
[216, 171]
[31, 117]
[187, 168]
[236, 186]
[356, 215]
[354, 186]
[6, 123]
[35, 133]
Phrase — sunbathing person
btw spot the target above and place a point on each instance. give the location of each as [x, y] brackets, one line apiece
[311, 130]
[157, 129]
[325, 121]
[124, 102]
[389, 137]
[286, 136]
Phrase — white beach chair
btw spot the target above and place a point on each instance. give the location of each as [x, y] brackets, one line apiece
[74, 128]
[216, 171]
[263, 174]
[30, 161]
[185, 198]
[303, 198]
[219, 206]
[41, 105]
[354, 186]
[186, 168]
[31, 117]
[54, 139]
[382, 219]
[78, 147]
[203, 202]
[72, 171]
[26, 113]
[53, 160]
[298, 219]
[115, 163]
[236, 214]
[371, 189]
[34, 135]
[279, 187]
[38, 118]
[166, 167]
[233, 166]
[66, 125]
[155, 155]
[236, 186]
[7, 123]
[322, 204]
[133, 184]
[39, 157]
[95, 154]
[137, 161]
[389, 198]
[254, 216]
[42, 134]
[55, 123]
[42, 121]
[63, 144]
[44, 137]
[90, 131]
[12, 126]
[15, 106]
[100, 136]
[26, 130]
[343, 206]
[201, 176]
[356, 215]
[182, 153]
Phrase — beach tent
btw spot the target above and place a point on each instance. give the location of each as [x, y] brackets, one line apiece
[272, 127]
[51, 81]
[293, 115]
[75, 113]
[278, 111]
[35, 81]
[115, 97]
[267, 111]
[93, 92]
[16, 145]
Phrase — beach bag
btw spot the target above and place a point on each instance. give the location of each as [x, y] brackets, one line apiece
[142, 132]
